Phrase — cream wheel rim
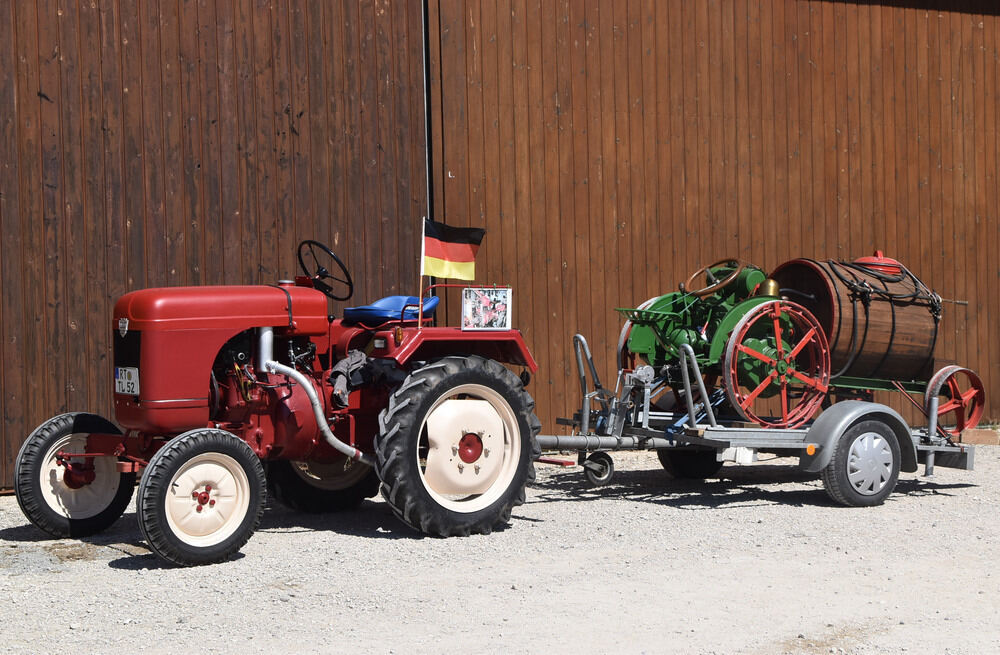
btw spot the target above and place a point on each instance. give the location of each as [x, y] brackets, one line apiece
[472, 448]
[84, 502]
[207, 499]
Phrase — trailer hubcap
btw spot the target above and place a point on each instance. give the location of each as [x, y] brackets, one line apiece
[869, 464]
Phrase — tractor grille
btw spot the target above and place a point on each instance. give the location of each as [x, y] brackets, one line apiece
[127, 348]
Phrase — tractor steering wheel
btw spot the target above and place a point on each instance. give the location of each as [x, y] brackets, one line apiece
[714, 284]
[320, 273]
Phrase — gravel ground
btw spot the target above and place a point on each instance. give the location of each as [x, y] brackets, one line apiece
[759, 562]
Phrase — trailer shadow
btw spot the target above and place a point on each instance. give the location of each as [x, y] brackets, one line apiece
[736, 486]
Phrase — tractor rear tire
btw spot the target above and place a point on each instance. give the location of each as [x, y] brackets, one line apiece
[864, 468]
[201, 497]
[319, 488]
[456, 447]
[689, 464]
[48, 501]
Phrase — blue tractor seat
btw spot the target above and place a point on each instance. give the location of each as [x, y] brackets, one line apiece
[388, 309]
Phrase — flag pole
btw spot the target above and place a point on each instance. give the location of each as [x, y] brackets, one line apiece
[420, 279]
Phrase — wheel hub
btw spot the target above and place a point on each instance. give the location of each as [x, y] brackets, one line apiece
[470, 447]
[203, 498]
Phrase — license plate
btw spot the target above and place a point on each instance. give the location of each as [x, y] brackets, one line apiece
[127, 380]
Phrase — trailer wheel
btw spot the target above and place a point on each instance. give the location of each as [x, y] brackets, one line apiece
[456, 446]
[865, 465]
[52, 497]
[316, 488]
[689, 464]
[201, 497]
[599, 468]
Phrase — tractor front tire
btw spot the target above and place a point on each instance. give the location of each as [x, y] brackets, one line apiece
[456, 447]
[201, 497]
[317, 488]
[55, 503]
[689, 464]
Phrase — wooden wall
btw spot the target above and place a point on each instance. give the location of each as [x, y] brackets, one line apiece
[612, 148]
[191, 142]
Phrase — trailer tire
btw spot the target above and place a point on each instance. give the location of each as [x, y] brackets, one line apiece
[689, 464]
[435, 440]
[865, 465]
[48, 501]
[201, 497]
[319, 488]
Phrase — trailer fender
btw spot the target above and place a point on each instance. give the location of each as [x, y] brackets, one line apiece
[838, 418]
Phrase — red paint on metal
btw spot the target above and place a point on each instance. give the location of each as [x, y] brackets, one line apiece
[470, 448]
[881, 263]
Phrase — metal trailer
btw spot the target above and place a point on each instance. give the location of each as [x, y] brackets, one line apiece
[858, 447]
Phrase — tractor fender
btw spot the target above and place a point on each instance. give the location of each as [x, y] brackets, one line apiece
[839, 417]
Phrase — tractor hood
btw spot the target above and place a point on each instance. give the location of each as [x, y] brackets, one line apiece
[301, 310]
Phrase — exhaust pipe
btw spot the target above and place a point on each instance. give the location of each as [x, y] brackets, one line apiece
[265, 350]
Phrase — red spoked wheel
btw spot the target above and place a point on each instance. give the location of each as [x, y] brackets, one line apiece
[962, 399]
[777, 351]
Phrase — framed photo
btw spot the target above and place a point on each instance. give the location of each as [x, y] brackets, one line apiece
[486, 308]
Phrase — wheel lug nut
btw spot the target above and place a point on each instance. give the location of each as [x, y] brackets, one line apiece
[198, 508]
[194, 494]
[454, 450]
[477, 469]
[208, 487]
[486, 452]
[461, 467]
[211, 503]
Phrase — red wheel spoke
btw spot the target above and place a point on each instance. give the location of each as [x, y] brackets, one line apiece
[949, 406]
[756, 355]
[784, 400]
[777, 330]
[969, 395]
[802, 377]
[802, 344]
[759, 390]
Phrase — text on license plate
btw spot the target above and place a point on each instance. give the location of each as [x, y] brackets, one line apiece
[127, 380]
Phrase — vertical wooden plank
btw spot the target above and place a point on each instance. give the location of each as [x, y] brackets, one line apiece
[841, 124]
[339, 182]
[14, 426]
[296, 209]
[866, 170]
[595, 174]
[284, 114]
[580, 268]
[190, 208]
[313, 172]
[241, 235]
[52, 195]
[653, 134]
[97, 307]
[418, 142]
[475, 213]
[607, 228]
[401, 94]
[174, 154]
[733, 61]
[756, 226]
[778, 249]
[800, 89]
[153, 146]
[73, 378]
[890, 162]
[872, 29]
[566, 183]
[214, 74]
[270, 144]
[744, 128]
[235, 142]
[521, 192]
[855, 243]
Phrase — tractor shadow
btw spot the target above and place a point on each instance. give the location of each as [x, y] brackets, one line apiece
[736, 486]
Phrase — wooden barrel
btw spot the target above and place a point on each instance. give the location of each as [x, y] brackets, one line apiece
[880, 320]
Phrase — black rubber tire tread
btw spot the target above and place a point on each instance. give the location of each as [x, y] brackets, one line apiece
[28, 490]
[399, 434]
[288, 488]
[834, 474]
[689, 464]
[155, 481]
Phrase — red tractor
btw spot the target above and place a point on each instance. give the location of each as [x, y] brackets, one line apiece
[223, 393]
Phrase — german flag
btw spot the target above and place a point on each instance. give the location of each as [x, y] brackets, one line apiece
[449, 251]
